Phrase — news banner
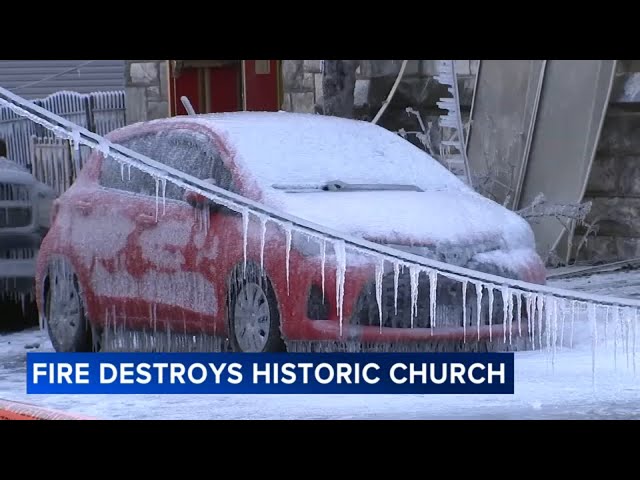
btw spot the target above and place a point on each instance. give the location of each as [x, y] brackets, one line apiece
[266, 373]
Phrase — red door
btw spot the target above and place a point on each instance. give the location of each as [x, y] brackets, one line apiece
[227, 87]
[262, 85]
[209, 88]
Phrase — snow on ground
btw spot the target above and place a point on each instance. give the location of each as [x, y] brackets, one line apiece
[625, 284]
[559, 386]
[544, 390]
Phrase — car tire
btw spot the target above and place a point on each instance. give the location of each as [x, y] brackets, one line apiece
[65, 312]
[254, 318]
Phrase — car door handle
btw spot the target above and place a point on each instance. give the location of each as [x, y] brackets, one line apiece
[83, 206]
[146, 220]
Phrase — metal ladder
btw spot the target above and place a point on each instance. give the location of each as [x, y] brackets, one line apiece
[453, 151]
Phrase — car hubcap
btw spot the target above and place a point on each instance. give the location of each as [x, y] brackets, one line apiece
[65, 317]
[252, 319]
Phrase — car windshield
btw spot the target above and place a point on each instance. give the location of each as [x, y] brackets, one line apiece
[284, 149]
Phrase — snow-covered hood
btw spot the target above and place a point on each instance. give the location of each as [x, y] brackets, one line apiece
[10, 172]
[433, 218]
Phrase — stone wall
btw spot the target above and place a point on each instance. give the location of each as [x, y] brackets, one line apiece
[614, 183]
[418, 90]
[147, 90]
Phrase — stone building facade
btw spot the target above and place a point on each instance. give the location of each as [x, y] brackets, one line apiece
[146, 89]
[614, 183]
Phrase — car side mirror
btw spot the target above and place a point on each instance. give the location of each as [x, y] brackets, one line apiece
[197, 200]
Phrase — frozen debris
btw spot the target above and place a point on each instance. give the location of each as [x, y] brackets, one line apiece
[540, 207]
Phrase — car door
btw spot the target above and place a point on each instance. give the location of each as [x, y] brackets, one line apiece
[104, 227]
[172, 244]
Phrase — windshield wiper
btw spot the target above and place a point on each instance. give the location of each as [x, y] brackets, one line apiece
[340, 186]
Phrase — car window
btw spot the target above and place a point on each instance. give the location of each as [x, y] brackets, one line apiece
[195, 154]
[129, 179]
[181, 149]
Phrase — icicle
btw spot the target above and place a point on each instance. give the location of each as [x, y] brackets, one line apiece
[606, 324]
[591, 315]
[616, 321]
[433, 289]
[396, 278]
[510, 316]
[245, 230]
[103, 147]
[490, 289]
[504, 291]
[478, 305]
[573, 318]
[554, 319]
[464, 311]
[163, 181]
[540, 312]
[564, 314]
[414, 274]
[263, 236]
[519, 314]
[323, 255]
[121, 170]
[129, 172]
[341, 268]
[548, 312]
[627, 329]
[633, 343]
[75, 140]
[379, 273]
[287, 232]
[157, 197]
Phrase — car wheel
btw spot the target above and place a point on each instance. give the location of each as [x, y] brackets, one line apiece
[254, 319]
[67, 323]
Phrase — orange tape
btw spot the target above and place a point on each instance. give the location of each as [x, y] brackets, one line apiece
[23, 411]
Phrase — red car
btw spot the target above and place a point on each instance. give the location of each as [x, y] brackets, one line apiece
[133, 264]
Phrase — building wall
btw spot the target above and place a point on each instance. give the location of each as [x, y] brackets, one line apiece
[34, 79]
[614, 183]
[147, 89]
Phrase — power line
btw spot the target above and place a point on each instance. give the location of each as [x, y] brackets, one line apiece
[51, 77]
